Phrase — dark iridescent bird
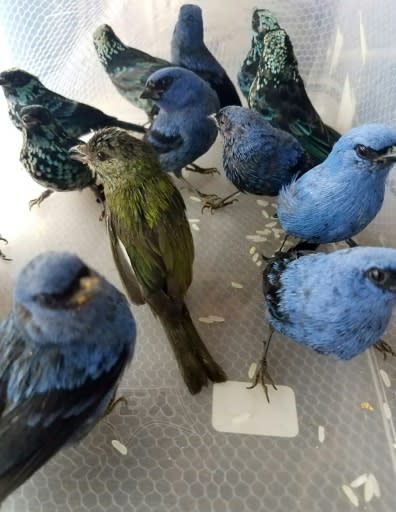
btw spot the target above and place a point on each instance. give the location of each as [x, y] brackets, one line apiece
[189, 51]
[146, 215]
[262, 22]
[63, 349]
[45, 154]
[128, 68]
[22, 89]
[257, 158]
[279, 94]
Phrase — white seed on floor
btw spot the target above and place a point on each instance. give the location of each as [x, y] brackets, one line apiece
[252, 250]
[262, 202]
[270, 224]
[385, 378]
[215, 318]
[387, 411]
[194, 220]
[359, 481]
[195, 198]
[375, 484]
[205, 320]
[350, 495]
[265, 213]
[252, 370]
[256, 238]
[195, 227]
[263, 231]
[321, 433]
[256, 256]
[121, 448]
[259, 263]
[368, 490]
[236, 285]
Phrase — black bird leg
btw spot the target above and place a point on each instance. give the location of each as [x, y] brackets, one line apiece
[385, 348]
[201, 170]
[40, 199]
[218, 202]
[351, 242]
[262, 373]
[113, 403]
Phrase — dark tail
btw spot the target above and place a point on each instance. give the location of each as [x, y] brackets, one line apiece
[195, 362]
[128, 126]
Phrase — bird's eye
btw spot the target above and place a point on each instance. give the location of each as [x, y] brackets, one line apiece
[102, 156]
[376, 275]
[362, 151]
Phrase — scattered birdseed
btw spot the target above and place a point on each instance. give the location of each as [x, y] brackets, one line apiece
[350, 495]
[263, 231]
[236, 285]
[215, 318]
[387, 411]
[375, 484]
[368, 490]
[205, 320]
[195, 198]
[367, 406]
[194, 220]
[259, 263]
[119, 447]
[256, 256]
[256, 238]
[261, 202]
[240, 419]
[252, 370]
[195, 227]
[270, 224]
[321, 434]
[252, 250]
[359, 481]
[266, 215]
[385, 378]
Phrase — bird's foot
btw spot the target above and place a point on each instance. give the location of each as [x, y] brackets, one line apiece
[202, 170]
[385, 348]
[216, 203]
[262, 375]
[40, 199]
[112, 405]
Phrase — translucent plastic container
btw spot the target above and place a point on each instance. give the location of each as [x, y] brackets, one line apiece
[176, 460]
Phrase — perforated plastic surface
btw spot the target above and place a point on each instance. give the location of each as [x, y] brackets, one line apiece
[176, 461]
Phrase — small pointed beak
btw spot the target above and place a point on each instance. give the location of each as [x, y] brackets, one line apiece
[150, 92]
[79, 153]
[28, 120]
[3, 80]
[214, 118]
[389, 156]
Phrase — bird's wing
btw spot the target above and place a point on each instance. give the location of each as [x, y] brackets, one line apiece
[41, 421]
[164, 143]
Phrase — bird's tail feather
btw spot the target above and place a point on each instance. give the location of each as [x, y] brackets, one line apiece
[195, 362]
[129, 126]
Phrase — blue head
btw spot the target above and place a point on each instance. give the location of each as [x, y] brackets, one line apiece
[58, 299]
[369, 148]
[188, 31]
[233, 122]
[175, 88]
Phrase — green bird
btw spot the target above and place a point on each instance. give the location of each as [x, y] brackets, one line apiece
[279, 94]
[146, 221]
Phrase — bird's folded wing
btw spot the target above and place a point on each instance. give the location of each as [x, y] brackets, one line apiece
[164, 143]
[38, 425]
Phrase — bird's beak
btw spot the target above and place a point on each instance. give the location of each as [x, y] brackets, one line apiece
[88, 287]
[79, 153]
[150, 92]
[3, 80]
[214, 118]
[28, 120]
[389, 156]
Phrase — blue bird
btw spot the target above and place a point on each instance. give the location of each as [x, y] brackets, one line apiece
[188, 50]
[182, 130]
[22, 89]
[63, 348]
[128, 68]
[263, 21]
[337, 199]
[338, 304]
[45, 155]
[257, 158]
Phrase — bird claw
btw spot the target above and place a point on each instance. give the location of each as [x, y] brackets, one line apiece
[385, 348]
[260, 376]
[114, 402]
[202, 170]
[216, 203]
[40, 199]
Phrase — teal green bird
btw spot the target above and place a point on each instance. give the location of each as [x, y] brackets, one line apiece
[146, 215]
[279, 94]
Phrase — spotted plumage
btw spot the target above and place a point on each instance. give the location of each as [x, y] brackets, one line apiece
[279, 94]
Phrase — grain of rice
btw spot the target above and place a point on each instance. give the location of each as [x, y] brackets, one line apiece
[261, 202]
[215, 318]
[263, 231]
[252, 370]
[205, 320]
[385, 378]
[350, 495]
[266, 215]
[376, 487]
[321, 434]
[387, 411]
[236, 285]
[195, 227]
[359, 481]
[121, 448]
[194, 220]
[270, 224]
[259, 263]
[256, 256]
[195, 198]
[368, 490]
